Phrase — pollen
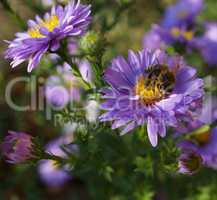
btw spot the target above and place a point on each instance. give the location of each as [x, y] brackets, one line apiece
[148, 94]
[188, 35]
[177, 32]
[50, 24]
[193, 163]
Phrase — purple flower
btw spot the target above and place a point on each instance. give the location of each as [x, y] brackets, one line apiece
[150, 88]
[176, 27]
[207, 43]
[159, 37]
[207, 116]
[204, 142]
[62, 88]
[189, 162]
[72, 47]
[17, 147]
[184, 11]
[153, 40]
[49, 171]
[177, 34]
[46, 34]
[86, 70]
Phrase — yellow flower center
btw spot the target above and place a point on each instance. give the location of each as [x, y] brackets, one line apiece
[155, 86]
[201, 136]
[177, 32]
[148, 94]
[193, 163]
[50, 24]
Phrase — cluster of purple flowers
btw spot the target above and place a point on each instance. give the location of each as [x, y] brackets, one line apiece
[200, 145]
[49, 171]
[180, 27]
[177, 26]
[149, 87]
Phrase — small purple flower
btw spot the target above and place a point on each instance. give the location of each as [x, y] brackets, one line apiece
[204, 142]
[159, 37]
[46, 34]
[150, 88]
[153, 40]
[49, 171]
[207, 116]
[17, 147]
[62, 88]
[189, 162]
[176, 27]
[184, 11]
[207, 43]
[72, 46]
[85, 70]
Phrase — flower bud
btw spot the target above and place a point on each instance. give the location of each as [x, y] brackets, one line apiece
[90, 43]
[189, 162]
[17, 147]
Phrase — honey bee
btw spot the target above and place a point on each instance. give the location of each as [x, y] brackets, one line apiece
[159, 75]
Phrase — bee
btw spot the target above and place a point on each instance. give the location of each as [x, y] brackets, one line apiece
[159, 75]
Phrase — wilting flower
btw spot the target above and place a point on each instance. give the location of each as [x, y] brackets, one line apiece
[50, 172]
[46, 34]
[189, 162]
[207, 43]
[17, 147]
[184, 11]
[153, 88]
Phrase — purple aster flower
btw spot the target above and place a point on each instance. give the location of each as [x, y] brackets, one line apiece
[177, 26]
[176, 34]
[204, 142]
[49, 171]
[17, 147]
[62, 88]
[45, 34]
[207, 116]
[184, 11]
[153, 40]
[189, 162]
[200, 138]
[207, 43]
[150, 88]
